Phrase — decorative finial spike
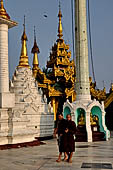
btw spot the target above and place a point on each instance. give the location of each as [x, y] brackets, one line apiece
[59, 5]
[35, 51]
[24, 36]
[35, 48]
[2, 5]
[24, 62]
[34, 34]
[24, 23]
[60, 23]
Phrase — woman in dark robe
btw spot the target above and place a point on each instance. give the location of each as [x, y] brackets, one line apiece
[70, 131]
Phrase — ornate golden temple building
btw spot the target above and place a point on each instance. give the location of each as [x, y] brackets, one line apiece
[57, 80]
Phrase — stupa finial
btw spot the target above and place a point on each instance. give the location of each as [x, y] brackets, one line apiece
[60, 30]
[23, 57]
[35, 51]
[3, 12]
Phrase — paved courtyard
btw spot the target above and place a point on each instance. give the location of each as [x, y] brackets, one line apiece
[96, 156]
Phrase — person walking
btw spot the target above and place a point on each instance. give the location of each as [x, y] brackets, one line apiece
[62, 137]
[70, 131]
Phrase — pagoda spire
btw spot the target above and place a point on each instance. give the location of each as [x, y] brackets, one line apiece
[3, 12]
[23, 57]
[35, 51]
[60, 30]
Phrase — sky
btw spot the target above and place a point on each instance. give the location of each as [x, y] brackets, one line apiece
[46, 33]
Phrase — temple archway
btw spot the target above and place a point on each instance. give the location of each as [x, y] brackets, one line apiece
[67, 110]
[96, 111]
[80, 113]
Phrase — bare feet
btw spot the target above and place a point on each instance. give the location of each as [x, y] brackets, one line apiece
[70, 161]
[65, 158]
[58, 160]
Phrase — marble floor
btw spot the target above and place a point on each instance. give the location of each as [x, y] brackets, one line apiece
[88, 156]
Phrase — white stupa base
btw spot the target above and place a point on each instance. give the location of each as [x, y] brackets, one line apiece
[31, 117]
[7, 100]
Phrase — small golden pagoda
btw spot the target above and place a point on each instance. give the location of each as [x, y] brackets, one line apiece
[35, 51]
[24, 57]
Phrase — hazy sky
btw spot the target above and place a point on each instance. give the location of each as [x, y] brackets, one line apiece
[46, 32]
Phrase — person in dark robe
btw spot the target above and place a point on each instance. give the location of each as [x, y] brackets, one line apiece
[70, 132]
[62, 137]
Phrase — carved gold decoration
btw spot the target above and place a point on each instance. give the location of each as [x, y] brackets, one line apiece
[96, 93]
[69, 92]
[108, 100]
[53, 92]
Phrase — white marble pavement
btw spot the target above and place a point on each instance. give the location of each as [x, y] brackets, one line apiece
[44, 157]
